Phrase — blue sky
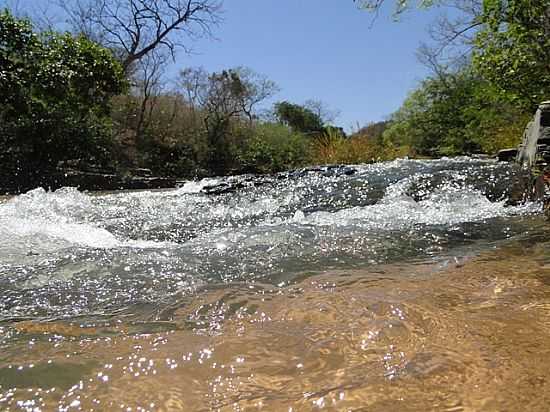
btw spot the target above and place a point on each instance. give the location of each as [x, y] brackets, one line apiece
[315, 49]
[325, 50]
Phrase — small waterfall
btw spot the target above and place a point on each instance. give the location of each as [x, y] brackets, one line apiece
[536, 130]
[528, 149]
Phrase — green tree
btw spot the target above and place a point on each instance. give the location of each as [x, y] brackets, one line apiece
[299, 118]
[54, 100]
[272, 147]
[510, 41]
[224, 97]
[513, 49]
[457, 113]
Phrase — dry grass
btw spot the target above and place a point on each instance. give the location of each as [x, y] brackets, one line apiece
[332, 147]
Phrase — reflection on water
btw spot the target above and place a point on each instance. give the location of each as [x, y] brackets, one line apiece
[406, 286]
[407, 337]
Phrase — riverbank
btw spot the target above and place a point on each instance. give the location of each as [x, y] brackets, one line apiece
[91, 178]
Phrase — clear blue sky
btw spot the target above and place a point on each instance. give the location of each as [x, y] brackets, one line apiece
[320, 49]
[314, 49]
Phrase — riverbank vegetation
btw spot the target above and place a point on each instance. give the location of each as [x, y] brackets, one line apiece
[97, 95]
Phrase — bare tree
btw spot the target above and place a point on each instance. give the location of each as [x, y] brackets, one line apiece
[322, 110]
[399, 7]
[452, 38]
[13, 5]
[41, 13]
[258, 88]
[148, 86]
[134, 28]
[233, 92]
[221, 97]
[193, 81]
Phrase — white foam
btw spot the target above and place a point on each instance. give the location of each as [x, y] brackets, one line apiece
[196, 186]
[51, 220]
[446, 206]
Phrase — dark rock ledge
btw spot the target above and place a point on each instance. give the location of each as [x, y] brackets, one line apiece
[534, 154]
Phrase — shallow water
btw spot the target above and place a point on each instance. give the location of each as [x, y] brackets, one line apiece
[408, 285]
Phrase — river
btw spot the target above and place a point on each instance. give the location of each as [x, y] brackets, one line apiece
[405, 285]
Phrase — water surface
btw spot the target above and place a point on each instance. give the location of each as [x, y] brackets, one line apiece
[407, 285]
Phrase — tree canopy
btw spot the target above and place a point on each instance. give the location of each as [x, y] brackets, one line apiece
[136, 28]
[298, 118]
[457, 113]
[54, 96]
[513, 49]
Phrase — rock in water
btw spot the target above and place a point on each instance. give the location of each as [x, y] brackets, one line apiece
[507, 155]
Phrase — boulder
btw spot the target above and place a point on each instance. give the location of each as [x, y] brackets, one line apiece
[507, 155]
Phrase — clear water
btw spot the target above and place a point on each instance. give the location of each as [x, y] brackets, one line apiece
[68, 254]
[326, 262]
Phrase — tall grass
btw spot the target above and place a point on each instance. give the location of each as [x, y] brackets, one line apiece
[333, 147]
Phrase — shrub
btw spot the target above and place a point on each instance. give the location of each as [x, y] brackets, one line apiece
[54, 100]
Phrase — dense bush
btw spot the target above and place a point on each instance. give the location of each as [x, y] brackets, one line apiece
[54, 100]
[272, 147]
[169, 139]
[364, 146]
[459, 113]
[174, 140]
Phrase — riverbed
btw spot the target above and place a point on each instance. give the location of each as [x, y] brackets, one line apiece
[406, 285]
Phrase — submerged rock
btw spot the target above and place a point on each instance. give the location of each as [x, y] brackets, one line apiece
[235, 183]
[327, 170]
[507, 155]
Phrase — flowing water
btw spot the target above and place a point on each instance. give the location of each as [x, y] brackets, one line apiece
[407, 285]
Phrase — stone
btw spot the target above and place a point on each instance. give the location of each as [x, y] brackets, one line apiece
[507, 155]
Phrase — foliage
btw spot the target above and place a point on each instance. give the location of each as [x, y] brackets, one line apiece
[273, 147]
[62, 97]
[169, 142]
[459, 113]
[175, 139]
[513, 49]
[298, 118]
[373, 131]
[362, 147]
[54, 98]
[222, 98]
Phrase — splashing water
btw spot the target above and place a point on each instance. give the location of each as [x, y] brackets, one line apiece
[200, 260]
[113, 250]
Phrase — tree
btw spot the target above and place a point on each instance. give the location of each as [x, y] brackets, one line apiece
[513, 50]
[223, 97]
[148, 86]
[460, 114]
[272, 147]
[298, 118]
[322, 110]
[510, 41]
[373, 131]
[452, 37]
[54, 100]
[400, 5]
[134, 28]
